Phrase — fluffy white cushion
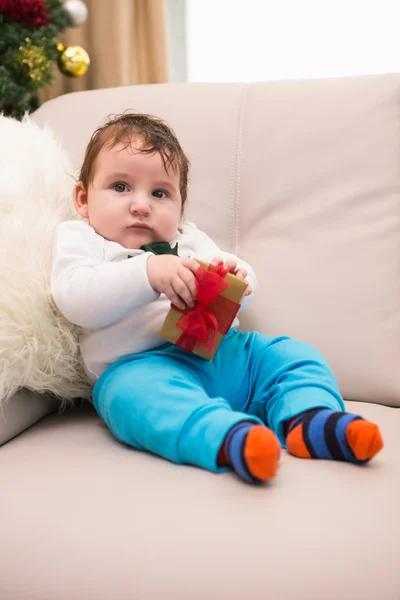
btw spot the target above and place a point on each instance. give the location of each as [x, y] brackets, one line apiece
[38, 347]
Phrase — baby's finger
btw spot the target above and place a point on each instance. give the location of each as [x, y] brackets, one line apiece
[248, 291]
[217, 261]
[190, 264]
[242, 273]
[190, 281]
[230, 265]
[174, 298]
[181, 289]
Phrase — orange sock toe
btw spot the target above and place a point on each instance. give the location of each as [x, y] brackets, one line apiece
[261, 453]
[364, 439]
[328, 434]
[295, 443]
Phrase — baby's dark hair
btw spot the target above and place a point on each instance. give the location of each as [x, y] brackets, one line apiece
[156, 135]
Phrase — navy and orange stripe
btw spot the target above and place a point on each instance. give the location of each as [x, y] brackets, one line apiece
[327, 434]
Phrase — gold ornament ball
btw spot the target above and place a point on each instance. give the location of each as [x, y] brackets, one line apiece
[73, 61]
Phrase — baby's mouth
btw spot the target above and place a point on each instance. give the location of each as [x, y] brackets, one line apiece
[139, 226]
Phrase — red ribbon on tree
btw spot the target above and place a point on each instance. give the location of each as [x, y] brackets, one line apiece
[200, 324]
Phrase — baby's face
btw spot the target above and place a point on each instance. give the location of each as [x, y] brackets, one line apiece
[132, 199]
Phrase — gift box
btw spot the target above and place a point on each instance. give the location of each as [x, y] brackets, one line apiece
[200, 329]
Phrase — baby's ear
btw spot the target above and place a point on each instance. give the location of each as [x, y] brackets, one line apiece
[81, 200]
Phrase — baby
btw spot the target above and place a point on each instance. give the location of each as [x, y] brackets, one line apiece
[258, 393]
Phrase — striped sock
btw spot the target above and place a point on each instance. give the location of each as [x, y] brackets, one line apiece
[324, 433]
[252, 451]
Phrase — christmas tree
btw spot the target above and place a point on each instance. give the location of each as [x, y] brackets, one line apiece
[29, 49]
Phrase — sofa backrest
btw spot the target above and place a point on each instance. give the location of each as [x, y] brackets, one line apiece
[302, 179]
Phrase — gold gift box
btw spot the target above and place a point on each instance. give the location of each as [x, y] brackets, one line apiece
[233, 294]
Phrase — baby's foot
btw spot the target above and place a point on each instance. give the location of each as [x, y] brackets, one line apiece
[324, 433]
[252, 451]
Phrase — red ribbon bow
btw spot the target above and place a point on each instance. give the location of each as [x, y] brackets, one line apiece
[199, 323]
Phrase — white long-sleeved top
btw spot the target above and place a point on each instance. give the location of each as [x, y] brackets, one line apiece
[110, 298]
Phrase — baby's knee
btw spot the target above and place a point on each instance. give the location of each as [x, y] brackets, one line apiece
[303, 351]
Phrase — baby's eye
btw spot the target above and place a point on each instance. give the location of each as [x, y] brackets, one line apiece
[120, 187]
[160, 194]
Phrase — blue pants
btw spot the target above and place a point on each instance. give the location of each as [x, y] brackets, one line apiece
[180, 406]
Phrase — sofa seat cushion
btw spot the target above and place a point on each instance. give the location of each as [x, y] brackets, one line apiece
[86, 517]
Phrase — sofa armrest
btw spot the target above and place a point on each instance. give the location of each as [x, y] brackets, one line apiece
[23, 410]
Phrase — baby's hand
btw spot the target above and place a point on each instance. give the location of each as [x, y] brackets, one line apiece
[232, 267]
[174, 277]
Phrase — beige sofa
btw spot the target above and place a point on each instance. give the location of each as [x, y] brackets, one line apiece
[302, 179]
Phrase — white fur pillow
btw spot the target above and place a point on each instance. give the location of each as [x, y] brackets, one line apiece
[38, 347]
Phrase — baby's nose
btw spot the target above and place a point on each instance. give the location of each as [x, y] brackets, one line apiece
[140, 206]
